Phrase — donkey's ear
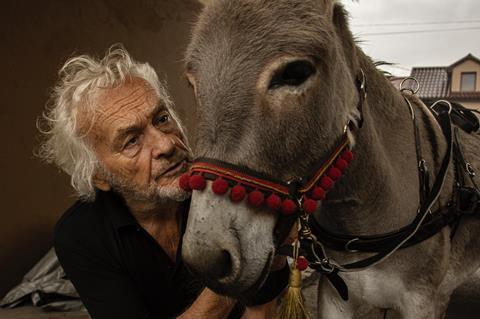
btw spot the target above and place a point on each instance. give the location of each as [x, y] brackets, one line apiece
[327, 7]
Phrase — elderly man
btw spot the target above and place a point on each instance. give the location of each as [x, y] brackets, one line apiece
[111, 127]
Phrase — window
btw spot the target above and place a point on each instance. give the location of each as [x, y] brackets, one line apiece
[468, 82]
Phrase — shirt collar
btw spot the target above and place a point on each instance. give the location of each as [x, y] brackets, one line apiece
[120, 214]
[116, 209]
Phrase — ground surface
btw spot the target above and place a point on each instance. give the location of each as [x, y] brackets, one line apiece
[465, 304]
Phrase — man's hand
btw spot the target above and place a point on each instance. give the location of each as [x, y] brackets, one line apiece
[265, 311]
[209, 305]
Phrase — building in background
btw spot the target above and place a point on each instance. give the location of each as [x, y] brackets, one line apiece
[459, 82]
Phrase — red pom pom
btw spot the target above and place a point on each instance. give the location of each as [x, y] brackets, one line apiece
[183, 182]
[301, 263]
[318, 193]
[326, 182]
[256, 198]
[341, 164]
[237, 194]
[274, 202]
[348, 156]
[197, 182]
[288, 207]
[334, 173]
[309, 206]
[220, 186]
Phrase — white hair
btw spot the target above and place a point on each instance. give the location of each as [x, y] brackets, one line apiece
[80, 79]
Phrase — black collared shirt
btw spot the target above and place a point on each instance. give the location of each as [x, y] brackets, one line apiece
[118, 269]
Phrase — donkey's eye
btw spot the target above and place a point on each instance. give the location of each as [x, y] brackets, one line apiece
[293, 74]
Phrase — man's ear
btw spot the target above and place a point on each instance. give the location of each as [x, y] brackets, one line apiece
[99, 182]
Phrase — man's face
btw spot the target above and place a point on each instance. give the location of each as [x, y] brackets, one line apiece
[138, 144]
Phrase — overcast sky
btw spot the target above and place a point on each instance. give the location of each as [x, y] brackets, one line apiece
[416, 48]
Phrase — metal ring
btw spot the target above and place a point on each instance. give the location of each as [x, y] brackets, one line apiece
[416, 87]
[349, 243]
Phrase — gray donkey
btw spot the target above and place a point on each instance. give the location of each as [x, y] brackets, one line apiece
[275, 83]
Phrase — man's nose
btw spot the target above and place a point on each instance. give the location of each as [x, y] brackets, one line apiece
[162, 144]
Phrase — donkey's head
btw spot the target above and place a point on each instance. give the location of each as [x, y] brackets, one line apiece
[275, 85]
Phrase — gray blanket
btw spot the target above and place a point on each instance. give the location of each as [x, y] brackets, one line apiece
[46, 286]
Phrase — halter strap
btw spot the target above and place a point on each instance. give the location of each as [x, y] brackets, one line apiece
[213, 168]
[282, 195]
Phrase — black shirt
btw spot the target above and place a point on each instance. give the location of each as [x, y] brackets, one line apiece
[118, 269]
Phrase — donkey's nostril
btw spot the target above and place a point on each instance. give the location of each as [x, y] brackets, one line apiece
[222, 266]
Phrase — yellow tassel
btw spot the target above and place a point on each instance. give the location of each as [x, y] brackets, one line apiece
[293, 303]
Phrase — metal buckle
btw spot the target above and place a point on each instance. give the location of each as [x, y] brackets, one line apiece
[469, 169]
[294, 179]
[347, 245]
[432, 107]
[422, 165]
[294, 184]
[326, 266]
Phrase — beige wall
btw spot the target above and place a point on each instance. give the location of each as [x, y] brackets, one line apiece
[37, 37]
[467, 66]
[471, 105]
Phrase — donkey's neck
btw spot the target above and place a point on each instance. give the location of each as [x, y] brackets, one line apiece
[379, 192]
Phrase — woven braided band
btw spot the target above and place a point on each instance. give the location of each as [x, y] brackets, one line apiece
[260, 189]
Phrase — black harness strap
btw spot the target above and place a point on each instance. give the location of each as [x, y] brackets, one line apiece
[424, 225]
[383, 243]
[378, 243]
[423, 174]
[443, 118]
[465, 118]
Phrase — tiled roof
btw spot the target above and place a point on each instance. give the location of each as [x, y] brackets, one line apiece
[465, 95]
[433, 82]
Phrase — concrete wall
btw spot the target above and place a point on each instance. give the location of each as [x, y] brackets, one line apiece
[36, 38]
[467, 66]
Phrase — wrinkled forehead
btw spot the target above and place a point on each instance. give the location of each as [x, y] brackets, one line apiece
[135, 96]
[122, 103]
[242, 31]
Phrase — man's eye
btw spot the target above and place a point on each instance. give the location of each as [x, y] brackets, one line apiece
[131, 142]
[162, 119]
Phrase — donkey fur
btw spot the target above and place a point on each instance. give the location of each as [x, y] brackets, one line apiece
[235, 48]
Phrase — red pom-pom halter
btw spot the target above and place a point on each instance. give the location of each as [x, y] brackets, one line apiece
[326, 183]
[220, 186]
[184, 182]
[288, 207]
[348, 156]
[237, 194]
[197, 182]
[301, 263]
[341, 164]
[309, 206]
[274, 202]
[318, 193]
[334, 173]
[256, 198]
